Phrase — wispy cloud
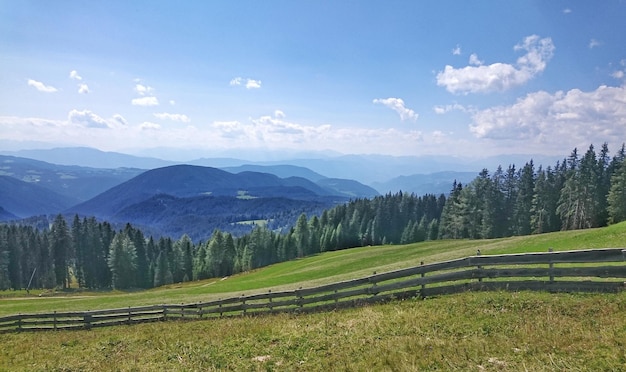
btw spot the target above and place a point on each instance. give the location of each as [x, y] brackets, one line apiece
[41, 86]
[593, 43]
[248, 83]
[74, 75]
[457, 50]
[397, 104]
[83, 89]
[142, 90]
[567, 11]
[174, 117]
[145, 101]
[146, 125]
[499, 76]
[86, 119]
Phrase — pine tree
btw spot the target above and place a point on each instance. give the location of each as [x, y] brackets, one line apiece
[617, 195]
[60, 245]
[122, 261]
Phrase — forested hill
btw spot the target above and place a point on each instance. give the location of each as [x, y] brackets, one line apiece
[192, 181]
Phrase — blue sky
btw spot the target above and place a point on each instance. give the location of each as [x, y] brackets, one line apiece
[462, 78]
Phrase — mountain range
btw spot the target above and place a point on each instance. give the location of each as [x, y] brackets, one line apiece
[168, 198]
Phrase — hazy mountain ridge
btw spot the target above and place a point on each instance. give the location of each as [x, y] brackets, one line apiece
[421, 184]
[24, 199]
[184, 181]
[75, 182]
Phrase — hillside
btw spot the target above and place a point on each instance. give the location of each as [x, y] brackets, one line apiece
[194, 200]
[24, 199]
[198, 216]
[420, 184]
[192, 181]
[75, 182]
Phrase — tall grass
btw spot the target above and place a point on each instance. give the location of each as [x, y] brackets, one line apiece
[496, 331]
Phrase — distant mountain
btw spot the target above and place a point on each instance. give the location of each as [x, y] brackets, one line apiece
[332, 186]
[6, 215]
[282, 171]
[421, 184]
[185, 181]
[89, 157]
[199, 216]
[24, 199]
[350, 188]
[77, 183]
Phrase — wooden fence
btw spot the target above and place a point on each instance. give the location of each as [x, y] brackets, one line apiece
[594, 270]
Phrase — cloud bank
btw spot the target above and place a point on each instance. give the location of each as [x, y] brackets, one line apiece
[574, 116]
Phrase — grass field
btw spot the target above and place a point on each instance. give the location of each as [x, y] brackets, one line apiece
[324, 268]
[471, 331]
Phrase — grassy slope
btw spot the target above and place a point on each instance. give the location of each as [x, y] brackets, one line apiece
[471, 331]
[320, 269]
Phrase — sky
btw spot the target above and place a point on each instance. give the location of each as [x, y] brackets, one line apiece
[246, 78]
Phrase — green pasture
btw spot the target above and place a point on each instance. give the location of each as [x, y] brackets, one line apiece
[320, 269]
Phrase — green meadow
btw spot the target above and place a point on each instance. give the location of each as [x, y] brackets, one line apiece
[470, 331]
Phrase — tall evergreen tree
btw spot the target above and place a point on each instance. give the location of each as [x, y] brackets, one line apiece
[122, 261]
[617, 195]
[60, 245]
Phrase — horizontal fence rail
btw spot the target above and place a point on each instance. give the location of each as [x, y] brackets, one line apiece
[592, 270]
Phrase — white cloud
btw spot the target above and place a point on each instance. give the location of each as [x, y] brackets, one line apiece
[441, 109]
[41, 86]
[145, 101]
[172, 102]
[473, 60]
[253, 84]
[593, 43]
[570, 118]
[279, 114]
[174, 117]
[249, 83]
[397, 104]
[618, 74]
[86, 119]
[120, 120]
[83, 89]
[74, 75]
[567, 11]
[146, 125]
[499, 76]
[142, 90]
[456, 51]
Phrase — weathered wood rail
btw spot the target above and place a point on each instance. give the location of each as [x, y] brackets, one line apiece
[593, 270]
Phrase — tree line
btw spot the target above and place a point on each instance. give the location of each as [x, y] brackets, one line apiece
[579, 192]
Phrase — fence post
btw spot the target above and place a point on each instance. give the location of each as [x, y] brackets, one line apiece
[54, 320]
[423, 288]
[551, 269]
[19, 322]
[129, 319]
[164, 312]
[220, 306]
[299, 295]
[373, 291]
[87, 320]
[243, 304]
[269, 291]
[480, 275]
